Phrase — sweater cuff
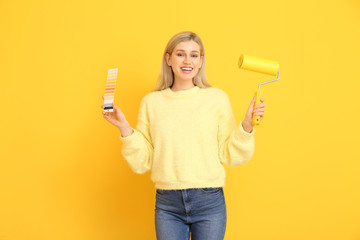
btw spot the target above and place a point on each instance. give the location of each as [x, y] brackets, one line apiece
[128, 138]
[242, 130]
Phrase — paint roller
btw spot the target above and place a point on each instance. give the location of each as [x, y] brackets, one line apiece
[262, 66]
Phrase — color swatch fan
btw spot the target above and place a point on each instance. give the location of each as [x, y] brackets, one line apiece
[110, 89]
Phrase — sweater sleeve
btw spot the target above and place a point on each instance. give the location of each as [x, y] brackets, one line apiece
[236, 146]
[138, 147]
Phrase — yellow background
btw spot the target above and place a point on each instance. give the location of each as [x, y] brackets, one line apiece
[62, 175]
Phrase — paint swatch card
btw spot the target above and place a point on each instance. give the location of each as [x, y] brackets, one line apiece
[110, 89]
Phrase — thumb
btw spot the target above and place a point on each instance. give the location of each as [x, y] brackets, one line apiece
[253, 102]
[115, 107]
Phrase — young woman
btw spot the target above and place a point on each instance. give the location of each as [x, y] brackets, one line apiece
[186, 130]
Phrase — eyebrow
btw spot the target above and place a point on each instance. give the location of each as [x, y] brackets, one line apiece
[180, 50]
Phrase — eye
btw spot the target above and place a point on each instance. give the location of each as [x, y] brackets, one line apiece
[195, 56]
[179, 54]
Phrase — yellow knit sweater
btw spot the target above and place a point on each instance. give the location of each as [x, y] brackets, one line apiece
[184, 137]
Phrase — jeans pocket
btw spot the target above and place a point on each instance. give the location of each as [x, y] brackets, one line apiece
[210, 190]
[159, 191]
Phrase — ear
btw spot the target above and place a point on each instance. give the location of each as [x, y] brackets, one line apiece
[167, 57]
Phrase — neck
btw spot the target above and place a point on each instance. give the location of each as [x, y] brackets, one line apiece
[182, 85]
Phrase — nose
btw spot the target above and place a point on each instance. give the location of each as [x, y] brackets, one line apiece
[187, 59]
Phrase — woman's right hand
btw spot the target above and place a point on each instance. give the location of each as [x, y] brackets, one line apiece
[118, 119]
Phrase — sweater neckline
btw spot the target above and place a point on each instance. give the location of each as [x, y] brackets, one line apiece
[181, 93]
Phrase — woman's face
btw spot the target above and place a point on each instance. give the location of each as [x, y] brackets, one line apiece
[185, 60]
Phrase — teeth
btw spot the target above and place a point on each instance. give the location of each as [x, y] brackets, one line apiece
[187, 69]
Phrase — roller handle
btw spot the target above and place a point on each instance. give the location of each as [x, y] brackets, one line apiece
[256, 119]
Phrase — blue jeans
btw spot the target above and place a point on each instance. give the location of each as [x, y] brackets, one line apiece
[200, 211]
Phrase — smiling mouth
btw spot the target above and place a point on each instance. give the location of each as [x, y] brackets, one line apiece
[186, 69]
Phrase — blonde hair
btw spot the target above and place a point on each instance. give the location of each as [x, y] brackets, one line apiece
[166, 77]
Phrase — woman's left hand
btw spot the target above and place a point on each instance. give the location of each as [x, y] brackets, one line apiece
[258, 111]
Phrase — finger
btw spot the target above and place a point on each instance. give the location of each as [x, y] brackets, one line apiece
[258, 113]
[254, 99]
[116, 107]
[103, 97]
[261, 105]
[252, 103]
[261, 110]
[107, 116]
[255, 112]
